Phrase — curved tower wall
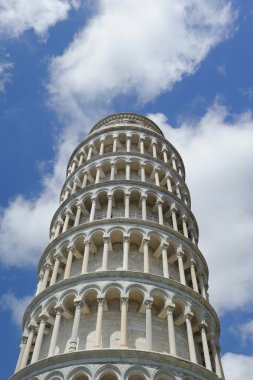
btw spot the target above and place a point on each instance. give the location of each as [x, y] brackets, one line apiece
[122, 291]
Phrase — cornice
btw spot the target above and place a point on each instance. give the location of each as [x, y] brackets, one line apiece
[114, 356]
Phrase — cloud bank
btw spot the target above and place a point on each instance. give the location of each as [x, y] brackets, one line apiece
[16, 306]
[135, 47]
[17, 16]
[218, 153]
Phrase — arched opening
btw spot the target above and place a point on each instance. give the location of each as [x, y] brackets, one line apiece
[155, 258]
[87, 330]
[135, 204]
[135, 255]
[115, 257]
[118, 205]
[111, 330]
[159, 324]
[136, 320]
[96, 251]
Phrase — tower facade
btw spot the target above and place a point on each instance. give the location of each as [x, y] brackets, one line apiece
[122, 291]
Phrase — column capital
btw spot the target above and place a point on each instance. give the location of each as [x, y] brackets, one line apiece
[170, 308]
[148, 304]
[101, 301]
[124, 300]
[203, 325]
[33, 327]
[188, 316]
[126, 238]
[58, 256]
[143, 196]
[146, 240]
[79, 204]
[193, 262]
[106, 239]
[78, 302]
[180, 253]
[87, 242]
[24, 339]
[173, 209]
[165, 246]
[159, 202]
[184, 218]
[44, 316]
[48, 266]
[93, 198]
[59, 309]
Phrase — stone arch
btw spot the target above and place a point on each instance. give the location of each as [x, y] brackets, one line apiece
[108, 372]
[137, 372]
[55, 375]
[79, 373]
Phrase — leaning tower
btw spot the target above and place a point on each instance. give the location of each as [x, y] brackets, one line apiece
[122, 291]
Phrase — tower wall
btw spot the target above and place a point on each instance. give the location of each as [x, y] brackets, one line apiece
[122, 290]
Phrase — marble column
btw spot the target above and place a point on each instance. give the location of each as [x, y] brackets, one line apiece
[154, 153]
[126, 240]
[127, 205]
[81, 159]
[169, 187]
[99, 322]
[32, 329]
[185, 228]
[192, 352]
[174, 165]
[93, 208]
[157, 180]
[78, 214]
[21, 352]
[109, 206]
[165, 156]
[215, 354]
[114, 148]
[148, 306]
[48, 268]
[160, 211]
[193, 276]
[127, 170]
[102, 145]
[69, 263]
[85, 256]
[174, 219]
[178, 192]
[58, 258]
[123, 322]
[202, 285]
[146, 255]
[112, 176]
[171, 329]
[89, 152]
[58, 227]
[85, 178]
[143, 179]
[142, 145]
[37, 347]
[75, 326]
[41, 275]
[105, 253]
[98, 167]
[55, 332]
[203, 328]
[180, 255]
[66, 222]
[128, 144]
[165, 261]
[144, 207]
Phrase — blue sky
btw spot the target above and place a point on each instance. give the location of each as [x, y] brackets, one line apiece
[65, 64]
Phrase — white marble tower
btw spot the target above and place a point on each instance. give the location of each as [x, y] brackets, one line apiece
[122, 290]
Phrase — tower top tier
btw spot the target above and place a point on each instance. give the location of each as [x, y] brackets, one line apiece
[126, 119]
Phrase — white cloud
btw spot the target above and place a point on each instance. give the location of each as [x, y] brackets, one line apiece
[15, 305]
[237, 367]
[5, 74]
[24, 224]
[135, 47]
[246, 332]
[218, 155]
[17, 16]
